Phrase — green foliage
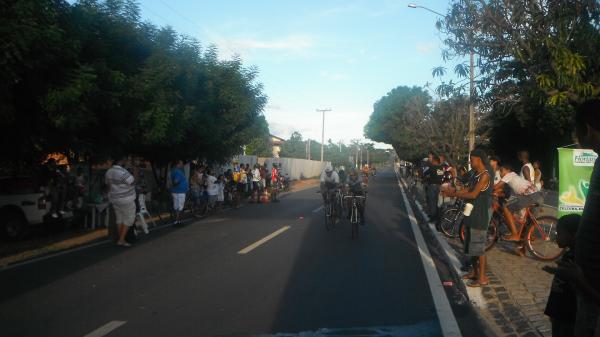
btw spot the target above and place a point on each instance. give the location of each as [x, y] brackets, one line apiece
[91, 79]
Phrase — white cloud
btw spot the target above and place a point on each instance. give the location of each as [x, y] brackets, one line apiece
[333, 76]
[243, 46]
[425, 48]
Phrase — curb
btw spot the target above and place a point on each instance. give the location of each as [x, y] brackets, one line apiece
[474, 295]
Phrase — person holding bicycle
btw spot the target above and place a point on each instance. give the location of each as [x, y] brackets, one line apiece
[355, 188]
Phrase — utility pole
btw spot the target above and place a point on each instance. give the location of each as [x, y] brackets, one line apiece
[368, 162]
[471, 104]
[323, 130]
[472, 84]
[309, 149]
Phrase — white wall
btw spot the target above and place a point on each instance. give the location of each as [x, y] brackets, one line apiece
[297, 168]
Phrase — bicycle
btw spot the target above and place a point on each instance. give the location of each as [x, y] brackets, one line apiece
[355, 216]
[331, 211]
[538, 234]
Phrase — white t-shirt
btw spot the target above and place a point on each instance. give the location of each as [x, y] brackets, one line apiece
[531, 172]
[121, 185]
[334, 178]
[497, 177]
[256, 175]
[212, 188]
[519, 185]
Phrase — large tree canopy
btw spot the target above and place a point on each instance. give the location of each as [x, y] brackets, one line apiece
[91, 79]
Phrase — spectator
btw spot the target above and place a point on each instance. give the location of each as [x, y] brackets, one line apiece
[80, 186]
[587, 254]
[523, 194]
[562, 301]
[537, 175]
[527, 171]
[274, 185]
[476, 224]
[196, 189]
[212, 189]
[243, 182]
[256, 179]
[434, 178]
[121, 194]
[221, 182]
[248, 190]
[495, 165]
[54, 182]
[179, 189]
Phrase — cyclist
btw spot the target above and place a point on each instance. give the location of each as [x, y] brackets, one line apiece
[355, 188]
[342, 175]
[523, 194]
[330, 182]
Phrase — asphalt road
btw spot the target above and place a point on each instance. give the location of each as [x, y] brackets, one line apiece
[192, 281]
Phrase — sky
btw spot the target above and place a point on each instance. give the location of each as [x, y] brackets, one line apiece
[341, 55]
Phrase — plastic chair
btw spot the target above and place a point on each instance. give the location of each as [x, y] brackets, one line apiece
[143, 213]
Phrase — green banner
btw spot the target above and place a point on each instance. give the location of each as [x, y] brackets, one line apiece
[574, 171]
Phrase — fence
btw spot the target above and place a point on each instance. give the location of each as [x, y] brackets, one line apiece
[297, 168]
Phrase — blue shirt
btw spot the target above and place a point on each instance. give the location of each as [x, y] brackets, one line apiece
[179, 181]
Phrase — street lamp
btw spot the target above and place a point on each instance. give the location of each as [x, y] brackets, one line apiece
[472, 83]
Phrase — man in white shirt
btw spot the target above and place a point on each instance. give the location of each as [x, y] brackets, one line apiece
[121, 194]
[212, 188]
[256, 182]
[523, 194]
[330, 180]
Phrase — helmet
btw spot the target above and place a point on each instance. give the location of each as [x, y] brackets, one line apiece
[328, 168]
[342, 168]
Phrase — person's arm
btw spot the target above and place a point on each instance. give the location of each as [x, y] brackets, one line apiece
[571, 272]
[465, 194]
[499, 188]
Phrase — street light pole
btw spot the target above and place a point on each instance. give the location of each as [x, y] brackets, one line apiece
[323, 130]
[472, 84]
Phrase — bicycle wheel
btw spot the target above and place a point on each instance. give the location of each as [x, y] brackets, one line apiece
[354, 221]
[448, 221]
[541, 238]
[328, 217]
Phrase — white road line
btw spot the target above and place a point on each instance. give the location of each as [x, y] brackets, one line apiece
[263, 240]
[105, 329]
[475, 294]
[317, 209]
[442, 305]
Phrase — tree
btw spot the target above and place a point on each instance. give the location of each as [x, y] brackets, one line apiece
[294, 147]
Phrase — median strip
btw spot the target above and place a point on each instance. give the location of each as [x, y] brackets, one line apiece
[263, 240]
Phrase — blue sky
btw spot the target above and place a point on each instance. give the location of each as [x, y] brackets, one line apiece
[336, 54]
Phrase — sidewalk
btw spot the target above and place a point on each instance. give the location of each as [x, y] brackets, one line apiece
[514, 301]
[15, 252]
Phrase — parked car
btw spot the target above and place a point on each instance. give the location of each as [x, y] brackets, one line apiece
[23, 204]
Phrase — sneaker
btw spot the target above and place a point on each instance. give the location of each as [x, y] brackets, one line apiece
[123, 244]
[55, 215]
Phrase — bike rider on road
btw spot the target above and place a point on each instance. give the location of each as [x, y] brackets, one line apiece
[330, 181]
[355, 188]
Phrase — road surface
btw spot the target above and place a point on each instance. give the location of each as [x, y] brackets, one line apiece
[257, 271]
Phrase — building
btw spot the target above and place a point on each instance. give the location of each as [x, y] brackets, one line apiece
[276, 143]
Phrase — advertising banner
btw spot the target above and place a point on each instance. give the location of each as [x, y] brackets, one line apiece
[574, 172]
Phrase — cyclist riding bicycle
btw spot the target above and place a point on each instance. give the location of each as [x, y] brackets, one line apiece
[330, 181]
[342, 175]
[523, 194]
[355, 188]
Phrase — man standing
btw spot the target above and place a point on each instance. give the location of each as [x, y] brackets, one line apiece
[587, 252]
[121, 194]
[179, 189]
[480, 197]
[527, 171]
[435, 178]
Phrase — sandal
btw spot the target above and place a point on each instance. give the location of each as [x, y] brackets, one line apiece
[477, 284]
[508, 239]
[469, 277]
